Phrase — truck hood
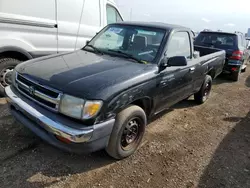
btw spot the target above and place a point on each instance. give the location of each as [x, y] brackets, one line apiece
[85, 74]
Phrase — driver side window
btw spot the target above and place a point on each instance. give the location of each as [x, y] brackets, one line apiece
[179, 45]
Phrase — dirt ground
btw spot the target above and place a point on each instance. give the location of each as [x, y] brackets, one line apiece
[187, 146]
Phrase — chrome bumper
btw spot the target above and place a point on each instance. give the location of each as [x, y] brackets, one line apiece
[56, 127]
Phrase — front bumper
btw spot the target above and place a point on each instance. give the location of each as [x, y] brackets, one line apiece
[48, 125]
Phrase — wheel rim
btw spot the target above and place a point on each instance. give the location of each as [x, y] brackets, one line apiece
[5, 76]
[207, 90]
[131, 134]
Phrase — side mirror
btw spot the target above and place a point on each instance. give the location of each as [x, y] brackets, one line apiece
[176, 61]
[87, 42]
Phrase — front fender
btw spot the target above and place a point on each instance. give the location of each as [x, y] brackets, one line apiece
[123, 99]
[143, 92]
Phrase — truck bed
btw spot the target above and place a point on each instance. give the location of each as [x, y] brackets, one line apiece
[206, 50]
[215, 58]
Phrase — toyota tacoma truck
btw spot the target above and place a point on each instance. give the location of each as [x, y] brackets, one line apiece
[102, 96]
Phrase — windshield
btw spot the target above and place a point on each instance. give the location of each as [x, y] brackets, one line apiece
[140, 43]
[217, 40]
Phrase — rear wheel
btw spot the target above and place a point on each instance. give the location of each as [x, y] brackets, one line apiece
[236, 76]
[6, 67]
[201, 96]
[127, 133]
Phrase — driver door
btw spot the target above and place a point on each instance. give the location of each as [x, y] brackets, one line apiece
[176, 83]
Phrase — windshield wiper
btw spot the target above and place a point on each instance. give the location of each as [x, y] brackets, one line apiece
[94, 48]
[126, 55]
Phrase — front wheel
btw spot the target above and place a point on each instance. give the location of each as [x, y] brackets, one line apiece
[127, 133]
[203, 94]
[6, 67]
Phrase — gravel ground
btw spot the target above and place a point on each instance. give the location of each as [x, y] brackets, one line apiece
[187, 146]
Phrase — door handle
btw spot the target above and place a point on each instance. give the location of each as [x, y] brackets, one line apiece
[192, 69]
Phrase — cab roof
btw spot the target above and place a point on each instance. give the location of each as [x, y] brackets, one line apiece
[159, 25]
[221, 32]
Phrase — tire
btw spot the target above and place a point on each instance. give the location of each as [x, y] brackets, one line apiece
[203, 94]
[244, 65]
[235, 76]
[117, 146]
[244, 70]
[6, 67]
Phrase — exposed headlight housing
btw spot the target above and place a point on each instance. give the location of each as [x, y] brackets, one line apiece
[79, 108]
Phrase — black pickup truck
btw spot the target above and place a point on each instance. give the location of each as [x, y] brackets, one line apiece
[102, 95]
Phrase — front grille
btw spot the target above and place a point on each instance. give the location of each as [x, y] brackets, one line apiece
[43, 95]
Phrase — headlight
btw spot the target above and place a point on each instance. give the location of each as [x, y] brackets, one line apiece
[71, 106]
[79, 108]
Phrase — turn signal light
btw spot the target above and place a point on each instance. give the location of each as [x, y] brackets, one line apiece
[62, 139]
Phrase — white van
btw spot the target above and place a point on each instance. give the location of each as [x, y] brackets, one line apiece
[33, 28]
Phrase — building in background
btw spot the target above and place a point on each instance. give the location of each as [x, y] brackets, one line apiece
[248, 33]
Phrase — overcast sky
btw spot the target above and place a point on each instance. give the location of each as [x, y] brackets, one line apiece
[227, 15]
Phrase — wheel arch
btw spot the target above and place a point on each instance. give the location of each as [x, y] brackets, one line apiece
[145, 103]
[14, 52]
[118, 105]
[212, 73]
